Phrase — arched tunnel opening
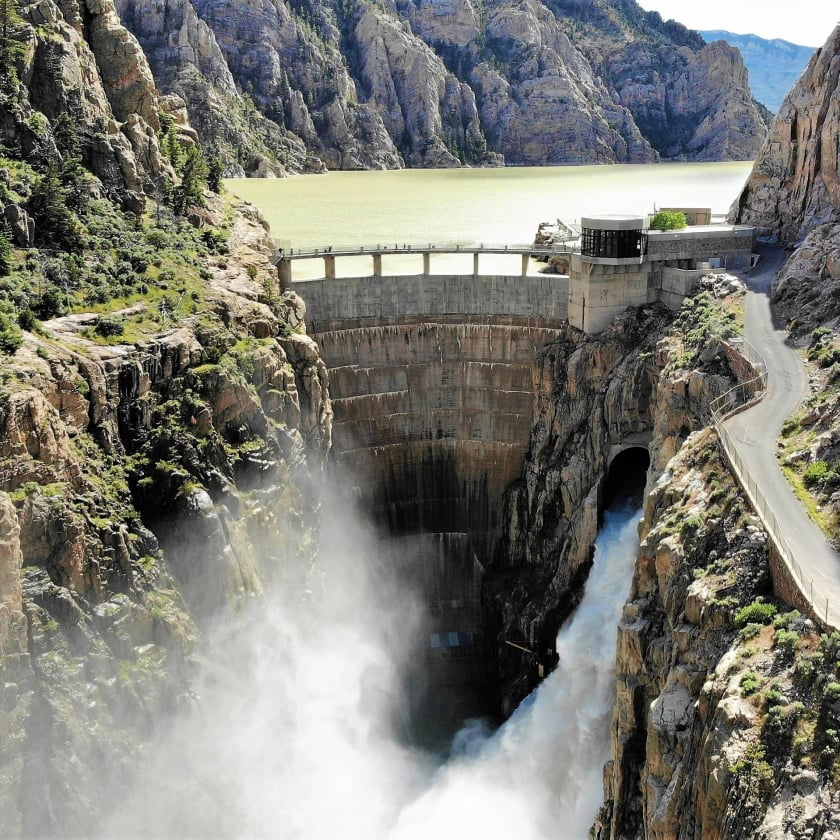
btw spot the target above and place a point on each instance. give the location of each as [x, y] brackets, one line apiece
[625, 479]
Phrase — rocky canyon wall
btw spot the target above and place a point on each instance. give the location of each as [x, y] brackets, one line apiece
[795, 185]
[137, 486]
[297, 86]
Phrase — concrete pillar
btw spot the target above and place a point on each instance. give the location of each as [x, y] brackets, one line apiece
[475, 264]
[526, 258]
[284, 273]
[377, 265]
[329, 268]
[426, 263]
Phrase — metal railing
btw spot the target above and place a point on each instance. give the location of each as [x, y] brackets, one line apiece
[431, 247]
[732, 401]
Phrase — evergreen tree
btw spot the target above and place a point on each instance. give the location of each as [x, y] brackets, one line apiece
[215, 171]
[56, 226]
[193, 181]
[11, 49]
[5, 251]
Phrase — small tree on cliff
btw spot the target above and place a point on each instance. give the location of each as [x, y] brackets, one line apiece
[668, 220]
[189, 192]
[11, 49]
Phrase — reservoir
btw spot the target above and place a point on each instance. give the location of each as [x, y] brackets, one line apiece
[470, 206]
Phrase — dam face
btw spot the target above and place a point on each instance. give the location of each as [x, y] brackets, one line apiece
[432, 415]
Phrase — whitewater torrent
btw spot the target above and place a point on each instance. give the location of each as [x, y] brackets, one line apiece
[296, 732]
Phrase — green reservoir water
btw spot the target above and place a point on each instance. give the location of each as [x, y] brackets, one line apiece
[467, 206]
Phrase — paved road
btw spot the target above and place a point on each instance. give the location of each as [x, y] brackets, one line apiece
[755, 431]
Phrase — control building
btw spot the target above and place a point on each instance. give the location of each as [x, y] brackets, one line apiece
[621, 264]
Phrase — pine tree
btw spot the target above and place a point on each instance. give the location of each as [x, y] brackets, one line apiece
[215, 171]
[11, 49]
[193, 181]
[55, 224]
[5, 251]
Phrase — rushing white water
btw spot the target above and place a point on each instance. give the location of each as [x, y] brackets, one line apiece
[540, 775]
[296, 735]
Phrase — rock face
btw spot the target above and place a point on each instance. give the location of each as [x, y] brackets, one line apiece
[137, 486]
[349, 85]
[695, 752]
[795, 183]
[83, 65]
[690, 100]
[596, 396]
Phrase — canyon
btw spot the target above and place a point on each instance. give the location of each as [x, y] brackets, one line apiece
[179, 588]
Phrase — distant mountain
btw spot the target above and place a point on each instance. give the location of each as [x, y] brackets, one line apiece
[774, 66]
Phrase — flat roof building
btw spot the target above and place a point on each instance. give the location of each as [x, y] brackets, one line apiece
[621, 264]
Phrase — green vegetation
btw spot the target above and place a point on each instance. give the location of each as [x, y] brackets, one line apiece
[815, 480]
[758, 612]
[668, 220]
[749, 683]
[701, 320]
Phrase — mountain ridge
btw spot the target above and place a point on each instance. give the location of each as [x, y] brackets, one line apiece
[349, 84]
[774, 65]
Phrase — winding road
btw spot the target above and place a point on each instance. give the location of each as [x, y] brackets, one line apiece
[754, 433]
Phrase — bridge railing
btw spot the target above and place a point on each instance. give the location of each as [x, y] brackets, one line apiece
[731, 402]
[415, 248]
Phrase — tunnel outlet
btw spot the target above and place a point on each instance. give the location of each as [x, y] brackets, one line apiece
[625, 479]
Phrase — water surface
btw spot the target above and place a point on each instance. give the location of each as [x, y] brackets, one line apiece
[474, 205]
[469, 206]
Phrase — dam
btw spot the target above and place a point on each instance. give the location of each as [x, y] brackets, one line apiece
[434, 381]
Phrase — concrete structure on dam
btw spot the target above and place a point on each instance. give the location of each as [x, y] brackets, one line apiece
[620, 265]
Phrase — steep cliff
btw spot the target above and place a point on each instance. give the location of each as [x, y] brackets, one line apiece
[793, 195]
[138, 484]
[774, 65]
[717, 732]
[794, 185]
[349, 84]
[160, 408]
[645, 382]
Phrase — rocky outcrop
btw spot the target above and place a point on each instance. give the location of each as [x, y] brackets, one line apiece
[795, 182]
[596, 396]
[138, 484]
[690, 104]
[704, 719]
[774, 65]
[86, 68]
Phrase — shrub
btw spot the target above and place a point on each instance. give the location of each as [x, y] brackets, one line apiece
[816, 473]
[27, 320]
[831, 692]
[783, 620]
[668, 220]
[107, 327]
[758, 612]
[5, 252]
[749, 631]
[749, 683]
[10, 335]
[786, 640]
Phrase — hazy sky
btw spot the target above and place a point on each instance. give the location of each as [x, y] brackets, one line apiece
[807, 22]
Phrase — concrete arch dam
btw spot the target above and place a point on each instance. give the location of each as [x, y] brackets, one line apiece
[433, 383]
